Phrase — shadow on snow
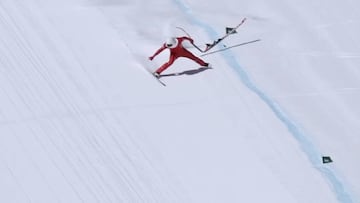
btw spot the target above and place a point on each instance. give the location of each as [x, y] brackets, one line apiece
[187, 72]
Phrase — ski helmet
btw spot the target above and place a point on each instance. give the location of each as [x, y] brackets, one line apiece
[171, 42]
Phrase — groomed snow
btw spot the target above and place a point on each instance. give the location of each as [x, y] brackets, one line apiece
[82, 121]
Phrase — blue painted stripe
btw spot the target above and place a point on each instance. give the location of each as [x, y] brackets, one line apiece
[341, 192]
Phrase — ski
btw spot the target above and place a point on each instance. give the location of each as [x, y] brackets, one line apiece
[152, 75]
[157, 78]
[209, 46]
[229, 31]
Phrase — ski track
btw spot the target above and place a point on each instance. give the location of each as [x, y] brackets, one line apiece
[112, 174]
[340, 189]
[133, 177]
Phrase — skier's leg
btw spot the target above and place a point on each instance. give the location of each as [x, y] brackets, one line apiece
[191, 56]
[166, 65]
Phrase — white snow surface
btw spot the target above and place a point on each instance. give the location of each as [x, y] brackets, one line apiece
[82, 121]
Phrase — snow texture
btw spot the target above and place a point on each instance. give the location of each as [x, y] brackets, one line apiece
[81, 120]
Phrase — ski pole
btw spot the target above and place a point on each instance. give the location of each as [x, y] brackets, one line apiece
[198, 48]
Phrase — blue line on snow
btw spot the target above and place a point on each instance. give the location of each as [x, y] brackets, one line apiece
[306, 145]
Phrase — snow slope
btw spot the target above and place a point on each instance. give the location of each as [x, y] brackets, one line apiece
[82, 121]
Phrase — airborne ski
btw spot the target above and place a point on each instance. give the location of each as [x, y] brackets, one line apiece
[229, 31]
[209, 46]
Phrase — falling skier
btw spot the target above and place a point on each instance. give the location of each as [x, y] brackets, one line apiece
[175, 44]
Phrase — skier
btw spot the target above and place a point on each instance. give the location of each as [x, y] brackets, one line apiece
[176, 50]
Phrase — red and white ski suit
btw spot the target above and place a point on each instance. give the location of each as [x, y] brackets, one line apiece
[176, 52]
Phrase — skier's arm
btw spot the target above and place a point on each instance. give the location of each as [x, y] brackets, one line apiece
[158, 52]
[188, 38]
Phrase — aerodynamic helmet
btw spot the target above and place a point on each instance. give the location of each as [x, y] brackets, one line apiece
[171, 42]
